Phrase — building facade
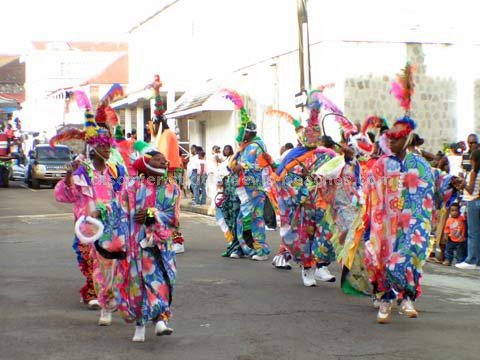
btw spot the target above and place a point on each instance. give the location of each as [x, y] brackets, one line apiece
[253, 49]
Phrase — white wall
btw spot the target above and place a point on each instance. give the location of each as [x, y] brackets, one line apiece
[50, 70]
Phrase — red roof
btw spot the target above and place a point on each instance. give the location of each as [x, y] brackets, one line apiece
[18, 97]
[116, 72]
[84, 45]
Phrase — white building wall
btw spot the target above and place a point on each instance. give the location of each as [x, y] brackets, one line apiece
[251, 46]
[52, 69]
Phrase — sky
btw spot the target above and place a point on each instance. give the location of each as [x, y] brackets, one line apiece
[87, 20]
[425, 20]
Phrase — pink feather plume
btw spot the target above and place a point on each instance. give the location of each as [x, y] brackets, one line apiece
[83, 102]
[234, 97]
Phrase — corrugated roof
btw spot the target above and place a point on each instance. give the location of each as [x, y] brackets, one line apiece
[190, 101]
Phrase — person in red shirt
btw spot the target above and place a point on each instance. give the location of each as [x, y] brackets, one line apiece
[455, 231]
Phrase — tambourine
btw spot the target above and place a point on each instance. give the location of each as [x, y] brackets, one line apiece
[219, 199]
[87, 238]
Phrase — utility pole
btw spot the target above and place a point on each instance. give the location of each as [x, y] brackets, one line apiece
[303, 54]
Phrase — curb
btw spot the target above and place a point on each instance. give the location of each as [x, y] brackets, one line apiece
[195, 209]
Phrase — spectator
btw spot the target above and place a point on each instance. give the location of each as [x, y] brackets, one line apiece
[472, 142]
[223, 169]
[134, 134]
[284, 150]
[455, 231]
[192, 163]
[471, 196]
[200, 172]
[288, 146]
[213, 165]
[414, 147]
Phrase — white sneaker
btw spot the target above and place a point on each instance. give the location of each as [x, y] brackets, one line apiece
[178, 248]
[139, 335]
[93, 304]
[234, 256]
[260, 257]
[466, 266]
[384, 311]
[323, 274]
[308, 277]
[105, 318]
[161, 328]
[279, 262]
[407, 308]
[376, 303]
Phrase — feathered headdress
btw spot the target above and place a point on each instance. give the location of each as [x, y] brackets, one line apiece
[92, 133]
[159, 106]
[311, 135]
[105, 114]
[373, 122]
[404, 87]
[245, 123]
[286, 116]
[67, 135]
[403, 90]
[348, 127]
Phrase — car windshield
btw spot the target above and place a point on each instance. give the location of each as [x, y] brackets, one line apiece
[49, 153]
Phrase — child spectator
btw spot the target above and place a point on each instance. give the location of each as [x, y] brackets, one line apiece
[455, 231]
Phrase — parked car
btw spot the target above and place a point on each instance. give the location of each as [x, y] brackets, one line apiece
[18, 172]
[47, 165]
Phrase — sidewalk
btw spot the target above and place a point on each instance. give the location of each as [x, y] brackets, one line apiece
[185, 205]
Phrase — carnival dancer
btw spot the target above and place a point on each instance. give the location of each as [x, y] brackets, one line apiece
[399, 206]
[344, 177]
[167, 143]
[250, 160]
[150, 205]
[91, 187]
[303, 228]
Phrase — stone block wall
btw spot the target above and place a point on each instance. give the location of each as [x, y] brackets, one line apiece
[433, 103]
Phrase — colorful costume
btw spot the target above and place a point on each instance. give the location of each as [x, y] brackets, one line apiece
[400, 204]
[252, 156]
[302, 204]
[252, 197]
[145, 279]
[303, 229]
[92, 190]
[168, 146]
[145, 276]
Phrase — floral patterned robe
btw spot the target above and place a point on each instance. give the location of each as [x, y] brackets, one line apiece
[398, 221]
[252, 197]
[91, 188]
[303, 228]
[146, 277]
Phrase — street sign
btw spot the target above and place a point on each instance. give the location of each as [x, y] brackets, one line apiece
[301, 99]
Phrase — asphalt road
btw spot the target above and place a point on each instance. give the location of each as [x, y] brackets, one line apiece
[223, 309]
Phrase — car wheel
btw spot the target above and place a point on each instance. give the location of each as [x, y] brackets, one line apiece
[35, 184]
[4, 174]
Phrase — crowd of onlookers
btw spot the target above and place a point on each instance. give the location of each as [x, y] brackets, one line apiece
[458, 226]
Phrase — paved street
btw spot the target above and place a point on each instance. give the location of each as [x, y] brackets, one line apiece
[223, 309]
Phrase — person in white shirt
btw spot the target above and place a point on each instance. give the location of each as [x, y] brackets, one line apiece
[192, 161]
[471, 196]
[213, 165]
